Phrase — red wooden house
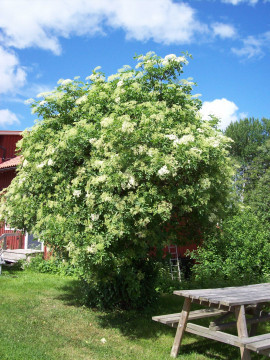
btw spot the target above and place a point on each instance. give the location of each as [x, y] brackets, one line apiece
[9, 160]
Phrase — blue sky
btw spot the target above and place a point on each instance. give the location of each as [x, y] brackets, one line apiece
[43, 41]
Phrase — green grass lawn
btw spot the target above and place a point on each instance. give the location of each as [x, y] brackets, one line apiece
[40, 318]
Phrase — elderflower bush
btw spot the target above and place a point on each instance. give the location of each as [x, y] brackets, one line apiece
[109, 163]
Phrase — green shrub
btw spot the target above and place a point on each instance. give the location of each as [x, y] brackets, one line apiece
[109, 163]
[54, 265]
[236, 253]
[128, 287]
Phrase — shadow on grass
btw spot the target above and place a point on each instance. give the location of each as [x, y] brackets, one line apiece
[212, 349]
[11, 270]
[72, 293]
[139, 324]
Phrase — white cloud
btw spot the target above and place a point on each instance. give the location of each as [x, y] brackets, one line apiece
[12, 75]
[253, 46]
[223, 109]
[224, 30]
[28, 23]
[161, 20]
[237, 2]
[8, 118]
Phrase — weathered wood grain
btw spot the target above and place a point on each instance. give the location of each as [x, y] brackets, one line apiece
[173, 319]
[230, 296]
[181, 328]
[242, 330]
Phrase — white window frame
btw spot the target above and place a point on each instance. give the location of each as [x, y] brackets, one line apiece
[26, 242]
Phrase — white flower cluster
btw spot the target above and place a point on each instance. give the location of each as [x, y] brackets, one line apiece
[92, 140]
[81, 100]
[64, 82]
[214, 142]
[98, 163]
[92, 249]
[99, 179]
[163, 171]
[95, 77]
[120, 83]
[128, 127]
[172, 57]
[107, 121]
[113, 77]
[39, 166]
[92, 77]
[171, 136]
[195, 150]
[94, 217]
[21, 180]
[183, 140]
[77, 193]
[131, 182]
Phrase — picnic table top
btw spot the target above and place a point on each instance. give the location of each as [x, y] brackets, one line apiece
[230, 296]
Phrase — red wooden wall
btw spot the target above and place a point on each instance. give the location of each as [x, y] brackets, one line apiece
[6, 177]
[8, 140]
[13, 242]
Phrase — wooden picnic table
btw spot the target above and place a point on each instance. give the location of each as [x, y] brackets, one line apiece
[246, 303]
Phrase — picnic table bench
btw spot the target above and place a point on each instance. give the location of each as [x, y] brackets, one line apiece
[222, 303]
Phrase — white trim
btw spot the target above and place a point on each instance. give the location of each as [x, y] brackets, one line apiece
[26, 240]
[10, 132]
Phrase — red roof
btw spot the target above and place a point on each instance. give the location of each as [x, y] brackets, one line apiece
[11, 163]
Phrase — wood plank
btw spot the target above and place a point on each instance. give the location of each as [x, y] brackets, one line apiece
[19, 254]
[213, 335]
[181, 328]
[224, 337]
[230, 296]
[173, 319]
[257, 338]
[254, 320]
[259, 345]
[242, 330]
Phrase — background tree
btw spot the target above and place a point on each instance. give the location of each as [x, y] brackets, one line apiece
[259, 197]
[238, 251]
[110, 162]
[249, 151]
[237, 255]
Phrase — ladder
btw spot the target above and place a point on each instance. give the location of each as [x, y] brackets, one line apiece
[174, 262]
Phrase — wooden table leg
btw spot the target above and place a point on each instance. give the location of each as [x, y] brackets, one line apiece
[242, 330]
[181, 328]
